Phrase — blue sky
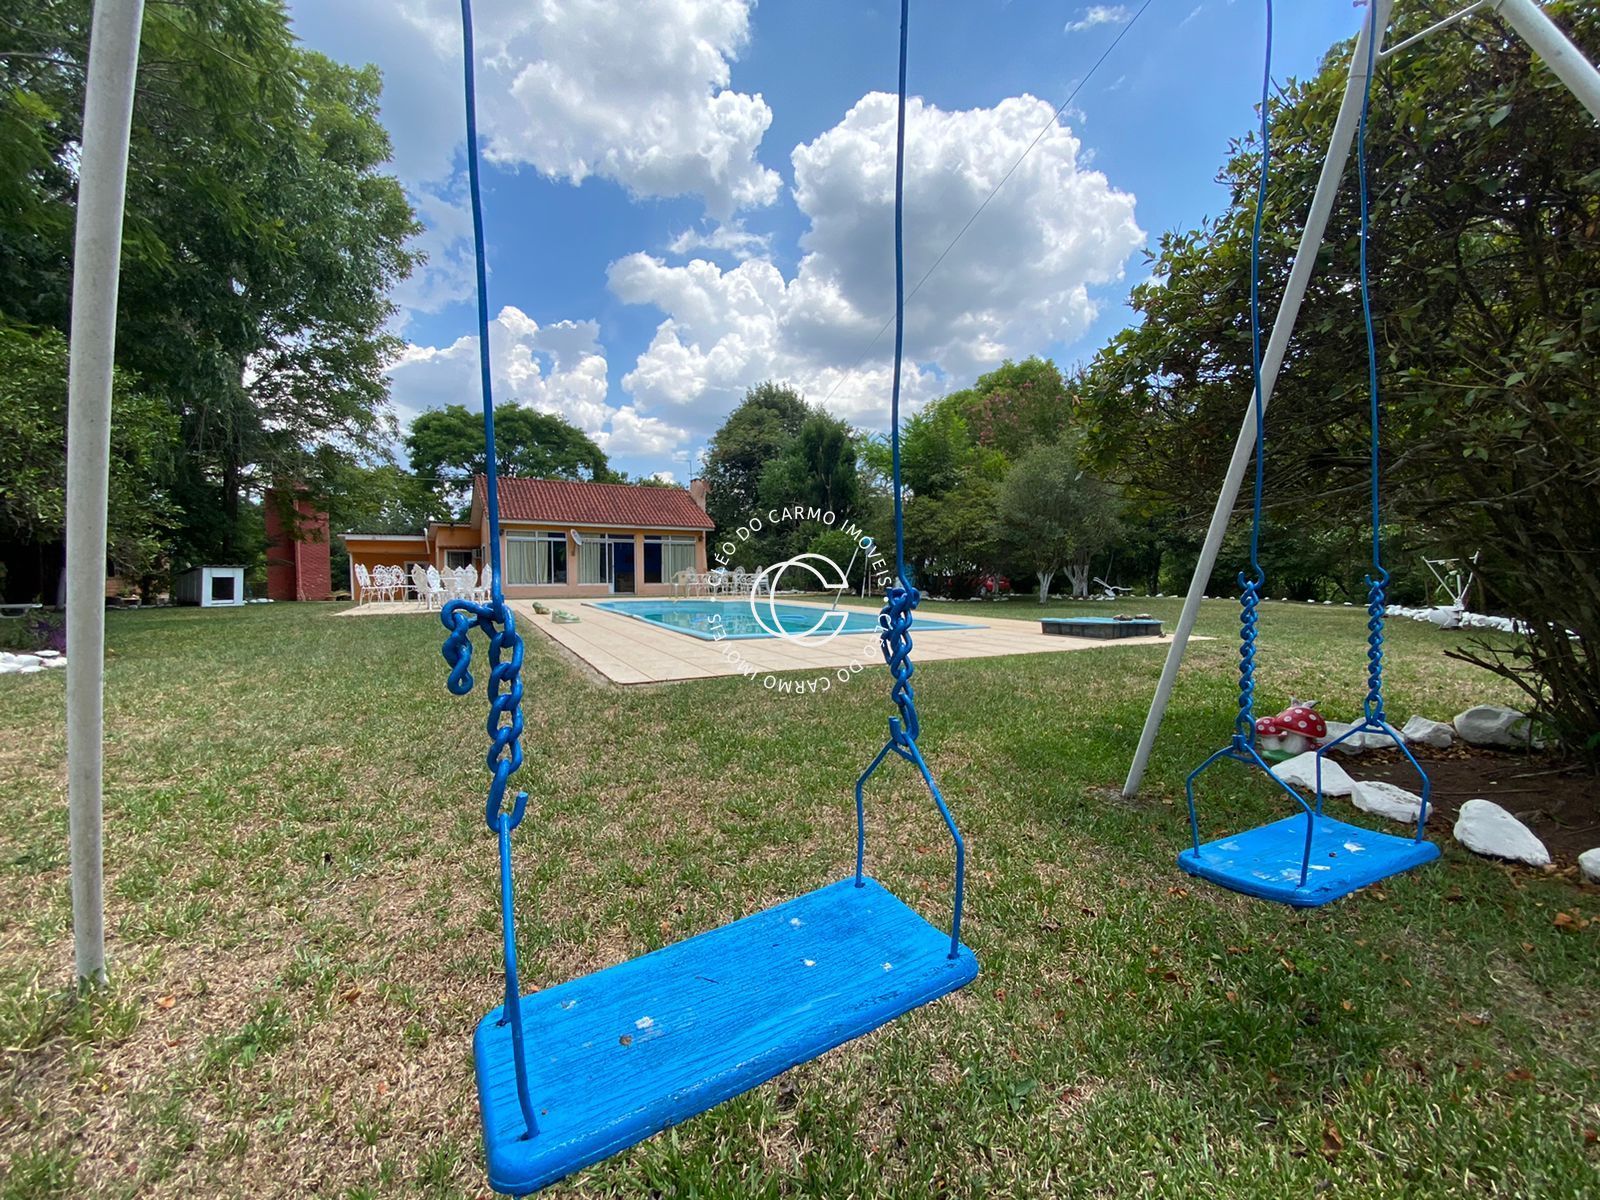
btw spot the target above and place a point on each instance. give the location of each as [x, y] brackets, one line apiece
[686, 197]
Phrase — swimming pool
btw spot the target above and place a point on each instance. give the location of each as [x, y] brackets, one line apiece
[718, 620]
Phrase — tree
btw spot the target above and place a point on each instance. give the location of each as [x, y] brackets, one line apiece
[815, 471]
[756, 432]
[261, 240]
[1017, 406]
[1485, 267]
[447, 449]
[1051, 514]
[33, 442]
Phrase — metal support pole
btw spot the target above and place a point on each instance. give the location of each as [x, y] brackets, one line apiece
[1546, 40]
[102, 182]
[1305, 258]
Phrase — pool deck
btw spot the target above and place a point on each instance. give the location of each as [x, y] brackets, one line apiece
[628, 651]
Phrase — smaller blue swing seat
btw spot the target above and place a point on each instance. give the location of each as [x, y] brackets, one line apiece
[621, 1054]
[1267, 861]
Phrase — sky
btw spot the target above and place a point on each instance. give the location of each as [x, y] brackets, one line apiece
[683, 198]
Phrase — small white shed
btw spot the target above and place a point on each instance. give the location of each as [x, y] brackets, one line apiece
[210, 587]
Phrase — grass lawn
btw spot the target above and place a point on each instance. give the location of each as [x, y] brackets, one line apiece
[302, 917]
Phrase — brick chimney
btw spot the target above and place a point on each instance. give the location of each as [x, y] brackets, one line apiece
[297, 549]
[699, 489]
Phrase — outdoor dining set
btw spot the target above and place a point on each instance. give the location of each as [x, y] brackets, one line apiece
[424, 585]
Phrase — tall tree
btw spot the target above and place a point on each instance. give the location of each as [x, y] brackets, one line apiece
[756, 432]
[446, 449]
[1017, 406]
[262, 237]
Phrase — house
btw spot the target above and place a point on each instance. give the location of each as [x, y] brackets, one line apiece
[561, 538]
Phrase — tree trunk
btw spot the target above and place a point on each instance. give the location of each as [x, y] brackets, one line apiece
[1078, 577]
[1044, 584]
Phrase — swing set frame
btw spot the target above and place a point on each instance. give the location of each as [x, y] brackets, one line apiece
[1564, 60]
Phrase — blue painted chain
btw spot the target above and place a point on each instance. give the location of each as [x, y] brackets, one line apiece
[505, 692]
[1249, 600]
[895, 633]
[1377, 602]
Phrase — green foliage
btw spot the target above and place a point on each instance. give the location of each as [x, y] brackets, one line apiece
[1017, 406]
[33, 441]
[446, 449]
[775, 452]
[1051, 514]
[754, 433]
[1485, 267]
[262, 237]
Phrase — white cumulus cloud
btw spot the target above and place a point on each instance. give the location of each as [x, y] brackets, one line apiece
[1100, 14]
[635, 91]
[1018, 281]
[556, 368]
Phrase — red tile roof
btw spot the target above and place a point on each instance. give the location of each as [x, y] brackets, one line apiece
[620, 505]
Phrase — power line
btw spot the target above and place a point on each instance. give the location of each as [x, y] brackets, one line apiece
[960, 233]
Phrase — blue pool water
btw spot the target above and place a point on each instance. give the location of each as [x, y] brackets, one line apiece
[715, 620]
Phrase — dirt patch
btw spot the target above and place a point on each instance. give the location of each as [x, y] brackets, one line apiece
[1559, 800]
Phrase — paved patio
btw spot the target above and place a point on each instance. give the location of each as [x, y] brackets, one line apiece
[629, 651]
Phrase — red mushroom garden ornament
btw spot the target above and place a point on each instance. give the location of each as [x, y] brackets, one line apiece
[1298, 728]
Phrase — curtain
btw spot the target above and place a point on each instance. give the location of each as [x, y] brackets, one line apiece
[522, 560]
[676, 555]
[528, 560]
[593, 559]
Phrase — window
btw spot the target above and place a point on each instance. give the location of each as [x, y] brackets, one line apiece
[454, 559]
[664, 557]
[538, 560]
[606, 558]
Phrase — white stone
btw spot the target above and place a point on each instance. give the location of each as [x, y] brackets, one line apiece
[1387, 800]
[9, 668]
[48, 653]
[1420, 731]
[25, 660]
[30, 670]
[1301, 771]
[1492, 725]
[1589, 864]
[1357, 743]
[55, 662]
[1485, 828]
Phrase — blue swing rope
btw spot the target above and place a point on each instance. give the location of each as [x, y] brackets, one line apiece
[1242, 746]
[1378, 581]
[1373, 717]
[1251, 580]
[901, 598]
[495, 620]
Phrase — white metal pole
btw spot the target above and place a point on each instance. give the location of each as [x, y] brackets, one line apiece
[1344, 129]
[102, 182]
[1546, 40]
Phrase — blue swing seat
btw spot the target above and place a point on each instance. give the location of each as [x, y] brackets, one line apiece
[1266, 862]
[621, 1054]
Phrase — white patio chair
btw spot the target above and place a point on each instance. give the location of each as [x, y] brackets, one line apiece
[399, 584]
[364, 584]
[425, 582]
[485, 587]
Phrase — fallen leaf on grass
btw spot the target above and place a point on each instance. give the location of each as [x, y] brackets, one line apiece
[1332, 1142]
[166, 1001]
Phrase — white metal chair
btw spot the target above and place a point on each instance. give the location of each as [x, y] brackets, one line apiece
[364, 585]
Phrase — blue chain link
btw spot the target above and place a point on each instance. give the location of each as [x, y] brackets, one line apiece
[1377, 602]
[505, 692]
[1244, 725]
[1378, 581]
[895, 634]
